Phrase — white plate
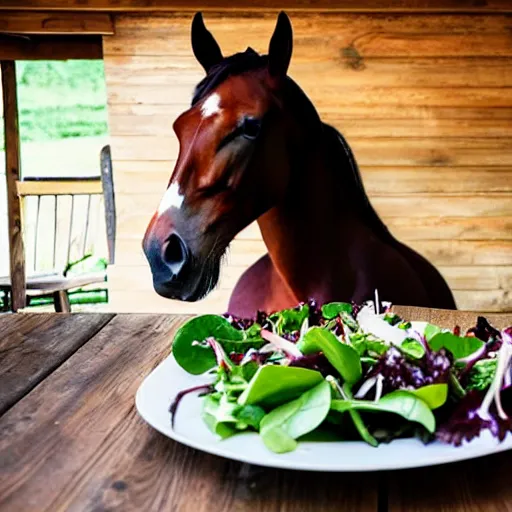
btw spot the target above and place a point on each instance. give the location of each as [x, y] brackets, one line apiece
[160, 387]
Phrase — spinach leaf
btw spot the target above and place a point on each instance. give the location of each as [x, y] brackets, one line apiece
[187, 349]
[333, 309]
[413, 348]
[367, 343]
[281, 427]
[434, 395]
[218, 416]
[250, 415]
[399, 402]
[289, 320]
[459, 346]
[342, 356]
[273, 385]
[254, 331]
[431, 330]
[241, 346]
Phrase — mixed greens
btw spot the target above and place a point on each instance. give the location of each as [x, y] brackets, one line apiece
[346, 371]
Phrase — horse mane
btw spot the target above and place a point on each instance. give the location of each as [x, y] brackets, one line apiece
[338, 147]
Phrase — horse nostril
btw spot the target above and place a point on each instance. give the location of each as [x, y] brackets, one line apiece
[175, 253]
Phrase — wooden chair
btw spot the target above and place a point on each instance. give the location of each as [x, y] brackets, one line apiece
[62, 220]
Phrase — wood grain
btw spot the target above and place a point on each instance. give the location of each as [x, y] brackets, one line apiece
[404, 228]
[323, 95]
[80, 428]
[388, 206]
[427, 6]
[469, 278]
[56, 23]
[32, 346]
[379, 151]
[470, 486]
[349, 37]
[350, 46]
[129, 124]
[50, 47]
[12, 175]
[448, 319]
[340, 71]
[441, 252]
[344, 109]
[135, 177]
[59, 187]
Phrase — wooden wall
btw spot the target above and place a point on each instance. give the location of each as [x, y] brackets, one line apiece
[425, 100]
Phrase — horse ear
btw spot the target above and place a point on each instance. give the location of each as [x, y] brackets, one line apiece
[280, 48]
[206, 49]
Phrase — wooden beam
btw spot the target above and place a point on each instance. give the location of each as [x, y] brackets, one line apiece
[23, 47]
[58, 187]
[56, 23]
[427, 6]
[12, 175]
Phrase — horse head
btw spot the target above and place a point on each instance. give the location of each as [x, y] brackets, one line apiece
[232, 165]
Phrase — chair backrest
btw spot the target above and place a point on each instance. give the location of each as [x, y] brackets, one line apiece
[66, 220]
[107, 179]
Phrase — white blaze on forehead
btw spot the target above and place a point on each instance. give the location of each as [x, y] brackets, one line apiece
[172, 198]
[211, 105]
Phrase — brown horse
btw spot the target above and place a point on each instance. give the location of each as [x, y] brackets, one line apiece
[252, 146]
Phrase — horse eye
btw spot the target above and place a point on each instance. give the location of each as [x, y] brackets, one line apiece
[251, 127]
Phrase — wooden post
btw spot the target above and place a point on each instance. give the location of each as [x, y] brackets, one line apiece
[12, 175]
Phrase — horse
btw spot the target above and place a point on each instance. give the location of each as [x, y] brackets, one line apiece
[252, 147]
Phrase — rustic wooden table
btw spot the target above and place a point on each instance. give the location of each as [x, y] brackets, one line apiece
[71, 439]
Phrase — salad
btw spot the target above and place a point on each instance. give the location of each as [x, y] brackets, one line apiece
[349, 372]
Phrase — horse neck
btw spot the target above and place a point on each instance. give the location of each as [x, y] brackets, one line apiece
[312, 235]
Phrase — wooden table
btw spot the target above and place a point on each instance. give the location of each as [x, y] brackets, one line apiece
[71, 439]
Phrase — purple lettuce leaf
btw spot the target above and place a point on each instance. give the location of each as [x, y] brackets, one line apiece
[466, 422]
[400, 373]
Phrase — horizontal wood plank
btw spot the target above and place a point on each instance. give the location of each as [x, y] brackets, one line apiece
[350, 47]
[427, 6]
[16, 22]
[144, 177]
[485, 205]
[86, 436]
[335, 72]
[435, 180]
[345, 110]
[485, 300]
[50, 47]
[388, 206]
[129, 124]
[59, 187]
[468, 278]
[475, 485]
[327, 97]
[440, 252]
[448, 319]
[381, 152]
[465, 252]
[33, 346]
[134, 224]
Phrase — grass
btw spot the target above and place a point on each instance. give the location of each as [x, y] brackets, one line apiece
[60, 100]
